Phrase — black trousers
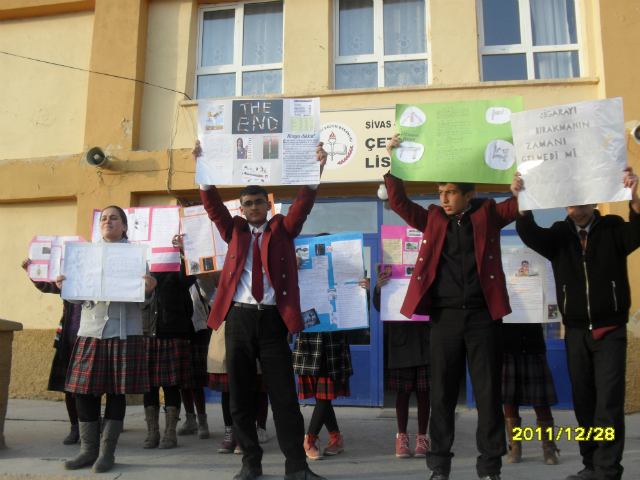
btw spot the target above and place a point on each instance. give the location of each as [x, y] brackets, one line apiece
[262, 334]
[458, 335]
[597, 371]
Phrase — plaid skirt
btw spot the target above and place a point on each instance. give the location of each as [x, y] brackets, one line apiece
[110, 365]
[409, 379]
[198, 376]
[168, 361]
[60, 366]
[323, 388]
[527, 380]
[220, 383]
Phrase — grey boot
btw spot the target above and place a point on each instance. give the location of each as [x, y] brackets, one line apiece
[189, 426]
[90, 436]
[74, 435]
[151, 416]
[203, 426]
[169, 439]
[110, 433]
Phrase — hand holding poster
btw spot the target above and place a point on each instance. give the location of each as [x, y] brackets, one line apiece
[571, 154]
[400, 247]
[330, 297]
[456, 141]
[47, 255]
[154, 227]
[259, 142]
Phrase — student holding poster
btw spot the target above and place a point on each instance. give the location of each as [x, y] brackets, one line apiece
[459, 282]
[589, 252]
[109, 357]
[409, 371]
[65, 339]
[259, 302]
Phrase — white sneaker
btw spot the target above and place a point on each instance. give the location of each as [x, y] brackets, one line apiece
[263, 437]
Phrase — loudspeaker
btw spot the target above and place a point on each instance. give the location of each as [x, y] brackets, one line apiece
[635, 134]
[97, 158]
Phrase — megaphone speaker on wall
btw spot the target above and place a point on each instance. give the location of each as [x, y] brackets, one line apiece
[635, 134]
[97, 158]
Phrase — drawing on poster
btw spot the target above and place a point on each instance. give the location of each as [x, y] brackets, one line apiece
[408, 271]
[498, 115]
[302, 252]
[500, 155]
[270, 148]
[244, 150]
[411, 245]
[526, 267]
[215, 117]
[409, 152]
[256, 173]
[412, 117]
[310, 318]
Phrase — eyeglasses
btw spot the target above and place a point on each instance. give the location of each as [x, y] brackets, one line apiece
[257, 203]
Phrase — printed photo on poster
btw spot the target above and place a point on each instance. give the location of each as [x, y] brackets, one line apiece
[257, 116]
[310, 318]
[302, 252]
[553, 312]
[525, 267]
[215, 117]
[408, 271]
[194, 267]
[270, 148]
[320, 249]
[244, 148]
[256, 173]
[207, 264]
[411, 246]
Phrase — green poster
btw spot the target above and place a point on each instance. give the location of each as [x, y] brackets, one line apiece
[456, 141]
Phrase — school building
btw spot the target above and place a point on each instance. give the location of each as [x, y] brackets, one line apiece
[126, 76]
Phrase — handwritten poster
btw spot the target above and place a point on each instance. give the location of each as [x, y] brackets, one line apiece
[154, 227]
[328, 281]
[400, 247]
[571, 154]
[47, 254]
[456, 141]
[204, 248]
[259, 142]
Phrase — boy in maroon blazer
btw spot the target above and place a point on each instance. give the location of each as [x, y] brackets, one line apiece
[259, 298]
[458, 280]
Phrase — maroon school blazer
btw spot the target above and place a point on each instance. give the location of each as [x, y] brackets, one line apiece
[487, 222]
[277, 252]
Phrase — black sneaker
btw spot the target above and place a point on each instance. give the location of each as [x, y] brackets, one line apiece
[584, 474]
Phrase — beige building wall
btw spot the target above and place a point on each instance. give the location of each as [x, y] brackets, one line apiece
[43, 106]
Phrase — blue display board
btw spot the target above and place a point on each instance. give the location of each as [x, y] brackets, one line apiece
[330, 297]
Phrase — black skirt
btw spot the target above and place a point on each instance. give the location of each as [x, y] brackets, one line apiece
[527, 380]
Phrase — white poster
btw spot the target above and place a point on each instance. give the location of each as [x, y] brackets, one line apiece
[571, 154]
[259, 142]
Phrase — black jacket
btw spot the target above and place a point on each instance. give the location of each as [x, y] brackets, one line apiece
[169, 314]
[457, 282]
[409, 342]
[523, 339]
[592, 286]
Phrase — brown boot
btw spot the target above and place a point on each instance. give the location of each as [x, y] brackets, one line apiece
[172, 417]
[549, 447]
[514, 449]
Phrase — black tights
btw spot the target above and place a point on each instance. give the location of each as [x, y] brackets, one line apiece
[261, 405]
[402, 411]
[70, 401]
[171, 397]
[194, 396]
[89, 407]
[543, 413]
[323, 414]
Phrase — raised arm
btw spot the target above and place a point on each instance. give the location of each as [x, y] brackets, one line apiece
[217, 211]
[542, 240]
[507, 211]
[628, 234]
[44, 287]
[299, 211]
[415, 215]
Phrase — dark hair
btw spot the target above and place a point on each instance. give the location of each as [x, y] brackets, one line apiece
[253, 190]
[464, 187]
[322, 234]
[123, 217]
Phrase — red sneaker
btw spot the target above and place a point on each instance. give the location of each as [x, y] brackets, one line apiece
[422, 446]
[336, 445]
[229, 443]
[313, 452]
[402, 445]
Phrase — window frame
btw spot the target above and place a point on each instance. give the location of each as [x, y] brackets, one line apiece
[526, 41]
[378, 55]
[238, 41]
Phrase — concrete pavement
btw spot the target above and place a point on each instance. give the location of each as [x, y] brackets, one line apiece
[34, 431]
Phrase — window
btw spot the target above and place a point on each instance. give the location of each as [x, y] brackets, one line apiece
[380, 43]
[239, 50]
[528, 39]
